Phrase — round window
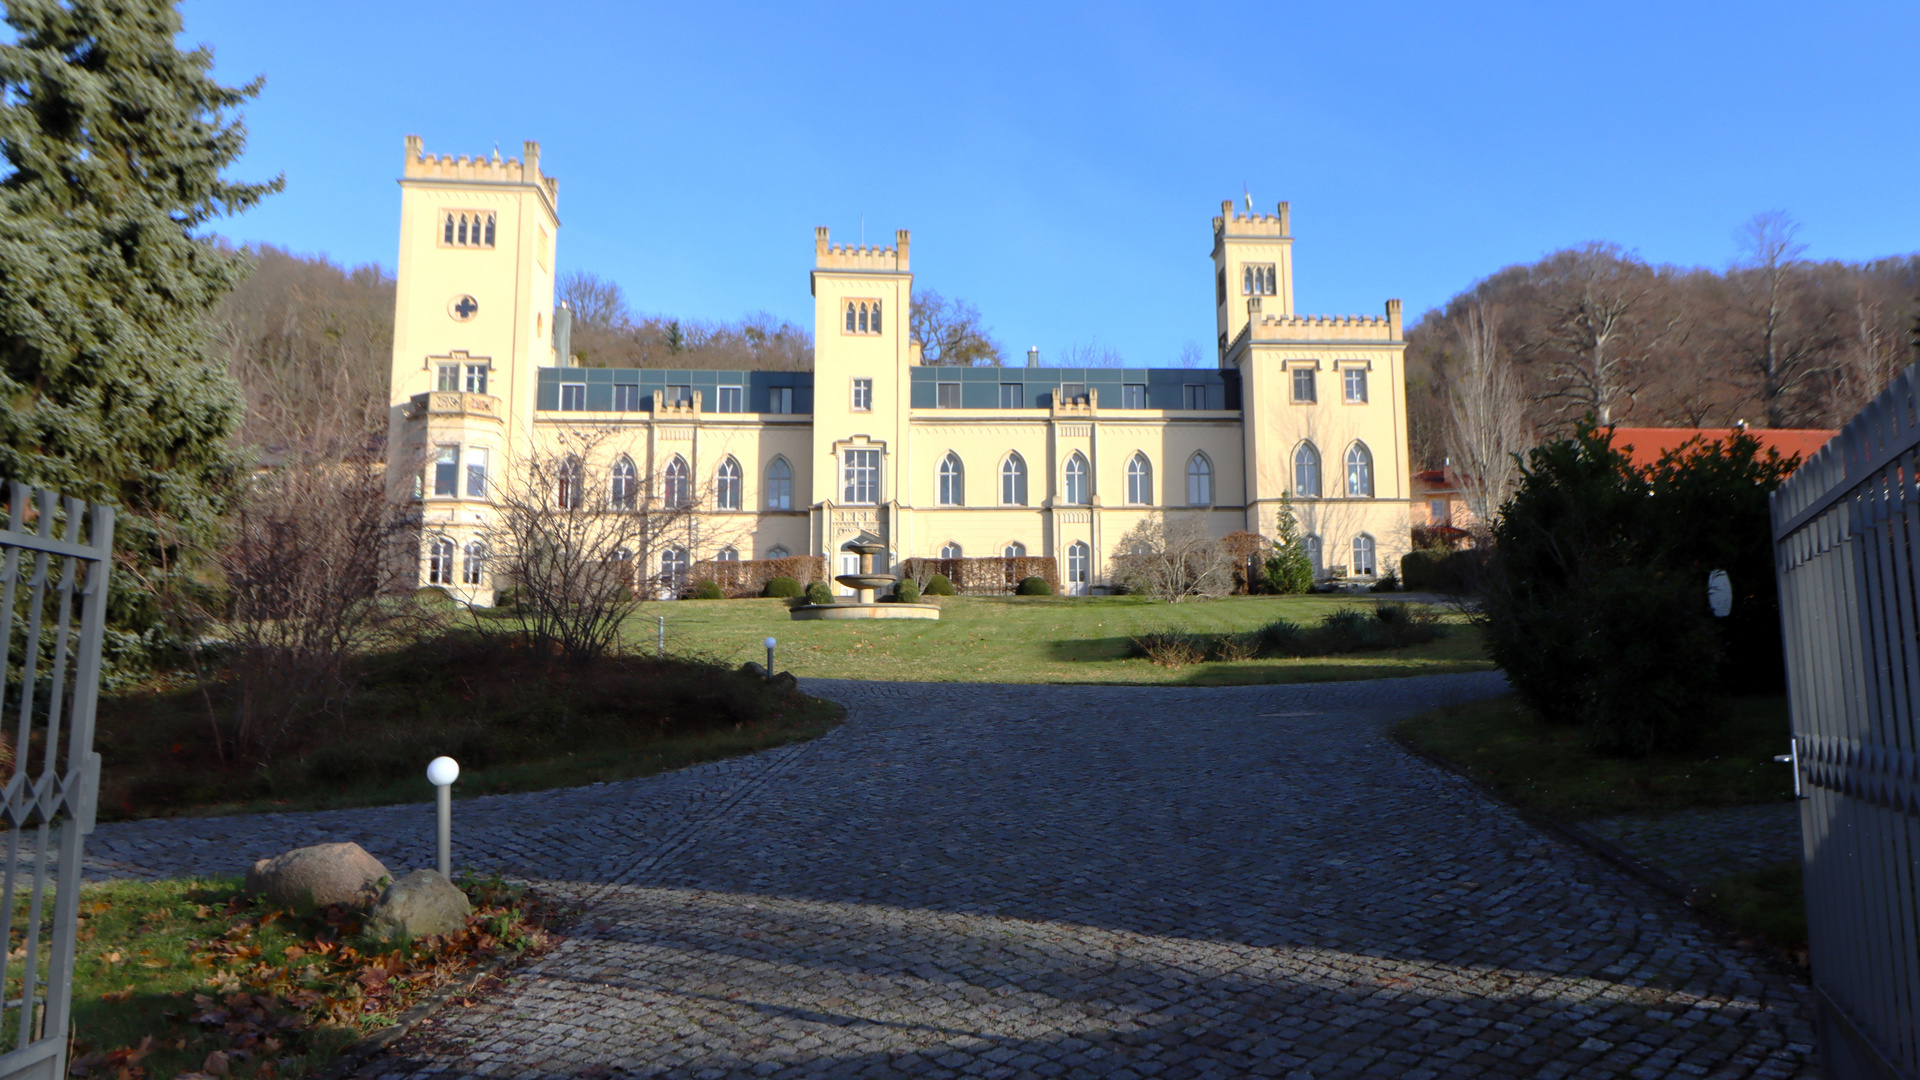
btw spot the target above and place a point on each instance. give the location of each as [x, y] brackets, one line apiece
[463, 308]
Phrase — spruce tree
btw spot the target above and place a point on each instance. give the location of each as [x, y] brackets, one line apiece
[114, 141]
[1289, 567]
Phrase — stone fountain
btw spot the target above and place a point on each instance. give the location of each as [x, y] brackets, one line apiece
[863, 584]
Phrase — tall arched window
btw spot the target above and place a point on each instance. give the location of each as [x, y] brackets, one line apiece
[1363, 556]
[1246, 281]
[1013, 481]
[1199, 481]
[571, 480]
[624, 489]
[1139, 480]
[1015, 550]
[475, 567]
[1078, 558]
[779, 552]
[850, 327]
[726, 486]
[1306, 472]
[1359, 471]
[953, 481]
[446, 236]
[440, 562]
[863, 318]
[779, 485]
[875, 328]
[950, 550]
[673, 571]
[679, 486]
[1076, 493]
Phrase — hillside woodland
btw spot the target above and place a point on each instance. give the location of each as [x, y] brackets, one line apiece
[1774, 339]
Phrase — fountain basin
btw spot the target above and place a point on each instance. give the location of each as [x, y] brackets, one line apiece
[867, 581]
[864, 611]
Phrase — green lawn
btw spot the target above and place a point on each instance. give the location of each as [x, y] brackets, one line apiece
[1037, 640]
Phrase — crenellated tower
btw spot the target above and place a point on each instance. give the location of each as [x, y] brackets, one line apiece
[1252, 268]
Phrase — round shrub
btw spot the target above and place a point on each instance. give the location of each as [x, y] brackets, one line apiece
[938, 585]
[708, 590]
[782, 588]
[906, 592]
[1033, 586]
[819, 593]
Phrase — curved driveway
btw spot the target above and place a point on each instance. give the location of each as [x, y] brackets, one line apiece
[977, 880]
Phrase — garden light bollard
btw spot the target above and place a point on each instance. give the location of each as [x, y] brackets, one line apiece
[769, 644]
[441, 773]
[660, 644]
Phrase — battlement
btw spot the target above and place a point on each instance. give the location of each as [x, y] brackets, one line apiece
[420, 165]
[1326, 327]
[1277, 225]
[853, 257]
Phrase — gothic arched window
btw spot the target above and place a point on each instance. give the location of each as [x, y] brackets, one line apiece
[1246, 281]
[679, 487]
[440, 562]
[1363, 565]
[953, 481]
[476, 563]
[1199, 481]
[778, 551]
[726, 487]
[863, 318]
[624, 490]
[571, 481]
[1359, 471]
[779, 486]
[1014, 550]
[1306, 472]
[1013, 481]
[875, 328]
[1078, 558]
[727, 554]
[950, 550]
[673, 570]
[1139, 480]
[1076, 493]
[850, 326]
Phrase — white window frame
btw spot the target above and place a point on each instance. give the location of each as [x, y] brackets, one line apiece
[1079, 567]
[677, 486]
[862, 395]
[1013, 480]
[1014, 550]
[952, 550]
[952, 487]
[440, 561]
[1353, 383]
[1139, 480]
[731, 399]
[728, 488]
[1306, 470]
[1074, 488]
[1305, 378]
[623, 487]
[1359, 463]
[860, 477]
[473, 567]
[1199, 480]
[573, 397]
[446, 471]
[780, 400]
[1365, 556]
[779, 483]
[477, 462]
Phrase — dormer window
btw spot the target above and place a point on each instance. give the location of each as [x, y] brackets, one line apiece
[1257, 280]
[467, 228]
[862, 317]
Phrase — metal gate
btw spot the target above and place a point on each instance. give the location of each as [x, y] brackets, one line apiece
[55, 554]
[1846, 530]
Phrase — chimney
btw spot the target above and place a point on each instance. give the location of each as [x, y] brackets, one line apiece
[819, 244]
[900, 237]
[563, 335]
[414, 149]
[1286, 223]
[1393, 319]
[1033, 356]
[1226, 210]
[529, 160]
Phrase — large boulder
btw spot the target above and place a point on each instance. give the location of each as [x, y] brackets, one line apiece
[316, 876]
[419, 904]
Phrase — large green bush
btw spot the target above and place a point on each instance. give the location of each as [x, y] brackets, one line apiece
[1033, 586]
[708, 590]
[1596, 597]
[938, 585]
[1440, 570]
[819, 592]
[782, 588]
[906, 592]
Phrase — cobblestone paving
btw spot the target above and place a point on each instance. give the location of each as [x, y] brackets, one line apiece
[1697, 846]
[1037, 881]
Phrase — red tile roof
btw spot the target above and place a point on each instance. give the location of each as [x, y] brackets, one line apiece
[1645, 446]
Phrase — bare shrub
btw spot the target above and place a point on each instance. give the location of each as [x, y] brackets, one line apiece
[1173, 560]
[1171, 648]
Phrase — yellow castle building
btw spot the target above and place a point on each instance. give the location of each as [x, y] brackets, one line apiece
[937, 461]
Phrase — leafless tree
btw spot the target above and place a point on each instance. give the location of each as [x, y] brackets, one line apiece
[1173, 559]
[597, 303]
[950, 334]
[1486, 421]
[1787, 334]
[1596, 330]
[582, 554]
[1875, 353]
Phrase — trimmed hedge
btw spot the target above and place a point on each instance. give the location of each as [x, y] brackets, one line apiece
[938, 585]
[1036, 586]
[708, 590]
[782, 588]
[819, 593]
[906, 592]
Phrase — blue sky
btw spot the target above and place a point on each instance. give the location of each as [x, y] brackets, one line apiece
[1059, 164]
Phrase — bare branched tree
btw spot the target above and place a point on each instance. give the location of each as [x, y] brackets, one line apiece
[584, 549]
[309, 556]
[950, 334]
[1596, 332]
[1875, 354]
[1787, 334]
[1486, 419]
[598, 304]
[1173, 559]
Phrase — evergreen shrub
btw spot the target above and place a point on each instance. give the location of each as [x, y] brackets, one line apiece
[708, 590]
[1033, 586]
[938, 585]
[782, 588]
[906, 592]
[819, 593]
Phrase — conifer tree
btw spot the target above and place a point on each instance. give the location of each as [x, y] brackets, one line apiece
[114, 141]
[1289, 567]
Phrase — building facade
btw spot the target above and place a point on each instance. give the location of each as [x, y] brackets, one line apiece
[938, 461]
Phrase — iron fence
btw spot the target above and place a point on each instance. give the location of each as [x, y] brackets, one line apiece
[1846, 529]
[55, 555]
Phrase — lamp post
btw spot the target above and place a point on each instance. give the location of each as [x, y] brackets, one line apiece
[769, 644]
[441, 773]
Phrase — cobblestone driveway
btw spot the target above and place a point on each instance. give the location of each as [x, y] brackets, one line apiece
[974, 880]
